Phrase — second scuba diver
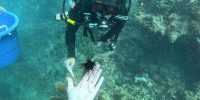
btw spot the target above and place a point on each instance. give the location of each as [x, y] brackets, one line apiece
[108, 15]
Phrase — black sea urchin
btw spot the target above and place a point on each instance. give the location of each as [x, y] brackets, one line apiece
[89, 65]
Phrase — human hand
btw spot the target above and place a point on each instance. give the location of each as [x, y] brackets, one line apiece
[87, 87]
[69, 64]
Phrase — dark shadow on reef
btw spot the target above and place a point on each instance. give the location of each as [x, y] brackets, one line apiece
[188, 53]
[151, 48]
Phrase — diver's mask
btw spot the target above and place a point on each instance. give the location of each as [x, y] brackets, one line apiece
[98, 7]
[104, 13]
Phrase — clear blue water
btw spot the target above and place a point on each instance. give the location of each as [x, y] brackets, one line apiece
[171, 69]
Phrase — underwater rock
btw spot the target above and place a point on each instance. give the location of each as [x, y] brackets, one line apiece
[173, 19]
[143, 2]
[104, 96]
[56, 98]
[144, 79]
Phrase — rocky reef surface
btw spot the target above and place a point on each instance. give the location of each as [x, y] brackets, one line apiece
[171, 18]
[157, 54]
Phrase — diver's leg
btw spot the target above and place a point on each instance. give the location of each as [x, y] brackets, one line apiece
[70, 37]
[92, 37]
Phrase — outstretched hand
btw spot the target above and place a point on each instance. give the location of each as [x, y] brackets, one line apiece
[69, 64]
[87, 87]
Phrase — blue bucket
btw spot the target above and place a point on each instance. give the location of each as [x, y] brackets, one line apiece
[9, 45]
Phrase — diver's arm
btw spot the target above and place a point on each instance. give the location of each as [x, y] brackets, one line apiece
[70, 39]
[71, 31]
[117, 29]
[114, 31]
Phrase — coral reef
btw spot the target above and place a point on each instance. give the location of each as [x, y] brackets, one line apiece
[61, 87]
[174, 18]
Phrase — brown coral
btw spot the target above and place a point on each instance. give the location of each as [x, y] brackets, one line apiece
[61, 87]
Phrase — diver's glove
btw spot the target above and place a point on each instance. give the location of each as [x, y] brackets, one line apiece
[69, 64]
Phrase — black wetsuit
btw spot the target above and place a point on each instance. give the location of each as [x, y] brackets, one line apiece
[77, 15]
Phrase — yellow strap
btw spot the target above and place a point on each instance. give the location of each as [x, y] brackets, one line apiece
[4, 26]
[71, 21]
[1, 8]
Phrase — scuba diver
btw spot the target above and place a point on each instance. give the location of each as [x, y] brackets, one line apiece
[106, 15]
